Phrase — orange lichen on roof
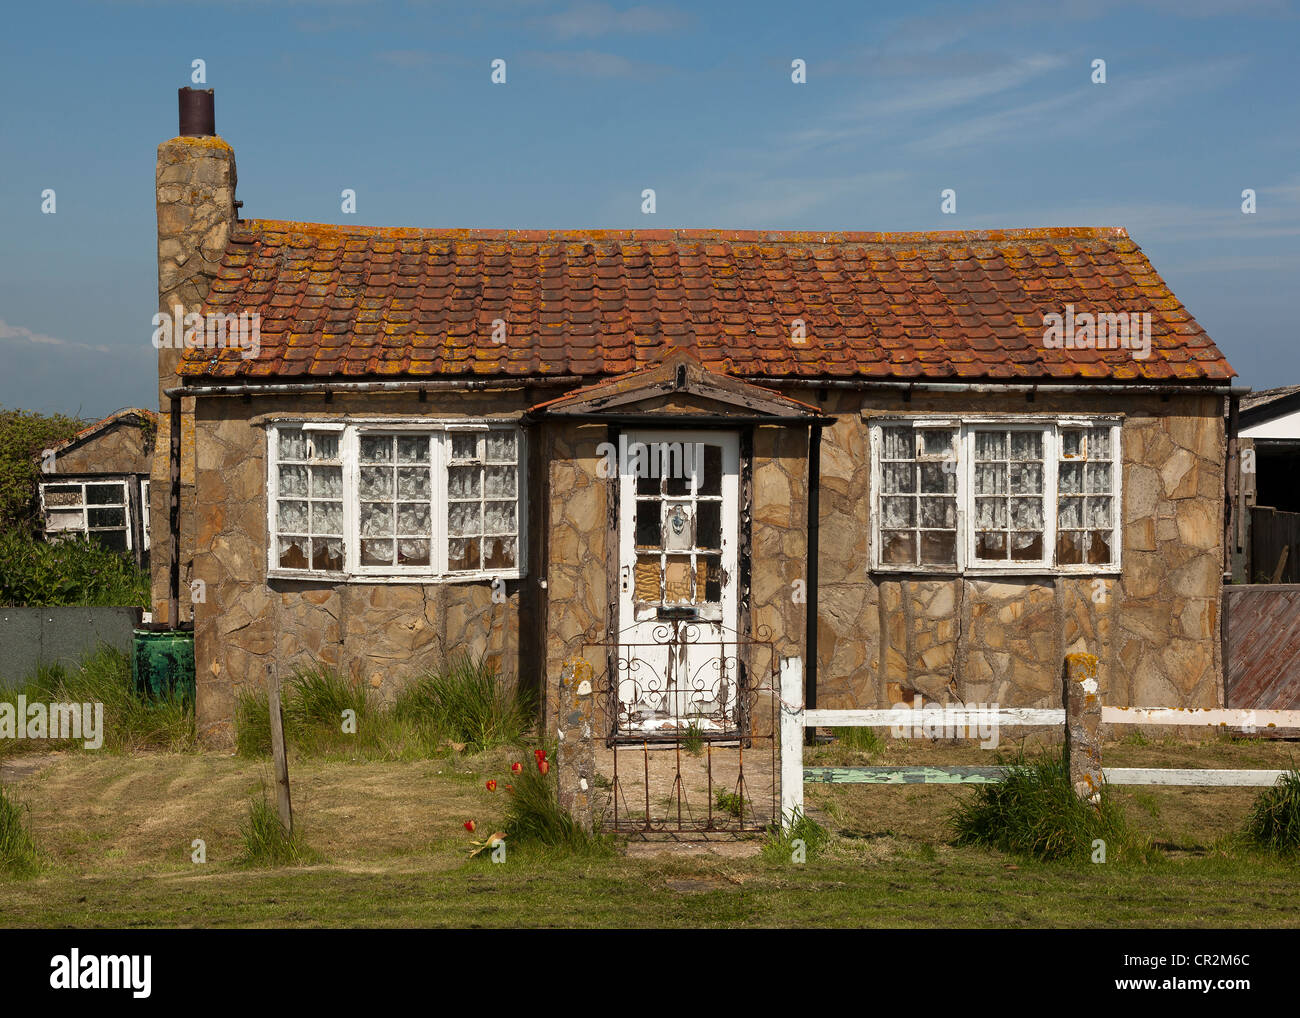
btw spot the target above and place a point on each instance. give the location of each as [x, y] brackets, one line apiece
[960, 305]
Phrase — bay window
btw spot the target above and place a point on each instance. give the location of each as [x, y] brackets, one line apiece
[393, 500]
[995, 495]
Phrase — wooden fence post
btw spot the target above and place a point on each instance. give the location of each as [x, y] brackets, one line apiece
[278, 750]
[1083, 726]
[792, 729]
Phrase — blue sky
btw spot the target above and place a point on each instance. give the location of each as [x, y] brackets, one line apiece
[602, 100]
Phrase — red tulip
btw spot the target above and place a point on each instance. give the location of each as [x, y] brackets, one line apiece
[469, 826]
[543, 766]
[492, 785]
[539, 754]
[510, 789]
[516, 768]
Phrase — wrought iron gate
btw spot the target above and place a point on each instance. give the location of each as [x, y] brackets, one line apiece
[690, 732]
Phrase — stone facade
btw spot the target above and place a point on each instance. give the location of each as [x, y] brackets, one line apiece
[883, 638]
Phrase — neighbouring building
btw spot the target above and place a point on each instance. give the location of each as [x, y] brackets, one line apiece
[540, 445]
[97, 483]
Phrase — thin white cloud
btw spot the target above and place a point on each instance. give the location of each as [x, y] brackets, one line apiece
[591, 20]
[20, 334]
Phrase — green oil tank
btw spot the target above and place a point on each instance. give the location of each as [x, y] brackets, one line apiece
[162, 663]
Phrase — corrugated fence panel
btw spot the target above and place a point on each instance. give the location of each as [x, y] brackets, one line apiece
[1263, 667]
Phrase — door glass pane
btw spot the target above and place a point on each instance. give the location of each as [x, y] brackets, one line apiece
[711, 483]
[648, 529]
[708, 525]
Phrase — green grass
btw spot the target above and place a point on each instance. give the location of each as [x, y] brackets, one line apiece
[466, 701]
[266, 842]
[800, 831]
[1034, 812]
[859, 739]
[1274, 821]
[18, 855]
[533, 816]
[131, 722]
[728, 802]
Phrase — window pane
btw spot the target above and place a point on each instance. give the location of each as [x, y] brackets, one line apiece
[293, 552]
[464, 445]
[648, 528]
[1026, 547]
[107, 517]
[1099, 444]
[939, 547]
[990, 479]
[897, 443]
[712, 566]
[293, 481]
[501, 447]
[711, 483]
[939, 513]
[66, 520]
[1097, 477]
[897, 512]
[898, 477]
[293, 517]
[1071, 479]
[499, 482]
[499, 518]
[412, 449]
[63, 494]
[1027, 514]
[376, 519]
[376, 482]
[376, 553]
[991, 546]
[326, 482]
[898, 547]
[1027, 478]
[990, 445]
[414, 518]
[463, 482]
[937, 442]
[1072, 443]
[327, 553]
[936, 480]
[293, 446]
[1026, 445]
[1070, 515]
[465, 519]
[327, 518]
[990, 513]
[413, 483]
[324, 445]
[412, 552]
[1098, 547]
[463, 555]
[708, 525]
[376, 449]
[1098, 514]
[105, 494]
[499, 553]
[1069, 548]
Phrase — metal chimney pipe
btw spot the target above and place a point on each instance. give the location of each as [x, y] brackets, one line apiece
[198, 112]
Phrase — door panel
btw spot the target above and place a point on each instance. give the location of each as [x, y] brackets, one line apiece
[677, 579]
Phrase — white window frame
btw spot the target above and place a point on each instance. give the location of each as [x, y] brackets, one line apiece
[84, 507]
[349, 433]
[1051, 427]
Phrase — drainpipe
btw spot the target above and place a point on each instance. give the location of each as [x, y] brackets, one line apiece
[174, 518]
[814, 535]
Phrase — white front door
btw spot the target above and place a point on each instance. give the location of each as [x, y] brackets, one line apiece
[679, 523]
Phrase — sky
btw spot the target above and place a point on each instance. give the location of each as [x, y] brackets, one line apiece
[394, 100]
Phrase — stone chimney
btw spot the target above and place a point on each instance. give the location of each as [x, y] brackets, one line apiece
[195, 176]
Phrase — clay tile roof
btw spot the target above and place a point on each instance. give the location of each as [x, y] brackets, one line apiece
[376, 302]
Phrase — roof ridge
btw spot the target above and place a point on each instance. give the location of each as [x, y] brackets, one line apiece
[587, 235]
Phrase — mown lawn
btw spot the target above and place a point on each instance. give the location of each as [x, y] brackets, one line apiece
[116, 831]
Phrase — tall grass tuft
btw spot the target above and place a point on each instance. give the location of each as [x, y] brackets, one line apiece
[799, 828]
[1033, 811]
[313, 702]
[1274, 820]
[534, 817]
[266, 842]
[865, 740]
[467, 702]
[131, 721]
[18, 855]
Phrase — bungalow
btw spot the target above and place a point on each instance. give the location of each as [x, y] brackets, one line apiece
[857, 449]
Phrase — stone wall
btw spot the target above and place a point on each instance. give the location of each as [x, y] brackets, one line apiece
[378, 634]
[884, 638]
[123, 447]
